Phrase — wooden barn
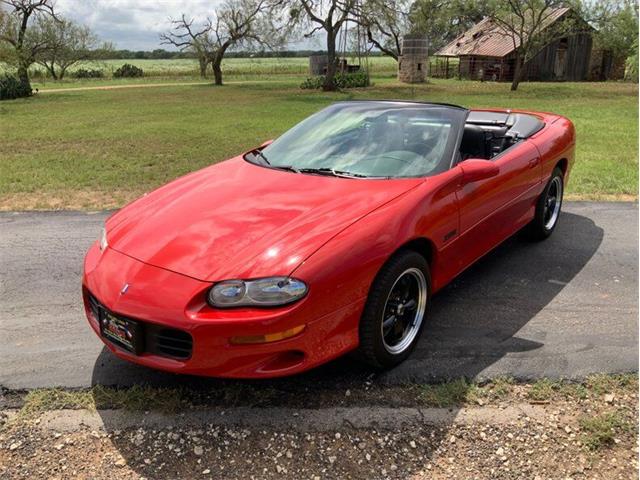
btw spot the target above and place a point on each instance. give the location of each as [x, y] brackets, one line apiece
[486, 52]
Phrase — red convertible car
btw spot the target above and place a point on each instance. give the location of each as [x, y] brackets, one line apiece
[330, 239]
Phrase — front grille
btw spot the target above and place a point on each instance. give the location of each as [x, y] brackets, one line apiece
[172, 343]
[158, 340]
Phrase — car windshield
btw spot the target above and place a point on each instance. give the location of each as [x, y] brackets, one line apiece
[370, 139]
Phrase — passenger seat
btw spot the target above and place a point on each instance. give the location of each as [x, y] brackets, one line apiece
[474, 143]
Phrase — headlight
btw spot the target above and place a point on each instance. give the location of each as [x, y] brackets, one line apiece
[264, 292]
[103, 240]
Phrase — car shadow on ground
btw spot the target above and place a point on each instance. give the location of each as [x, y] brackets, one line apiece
[473, 325]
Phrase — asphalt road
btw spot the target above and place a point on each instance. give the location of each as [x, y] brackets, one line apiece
[563, 308]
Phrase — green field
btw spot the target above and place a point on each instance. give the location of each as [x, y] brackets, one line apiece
[101, 148]
[237, 68]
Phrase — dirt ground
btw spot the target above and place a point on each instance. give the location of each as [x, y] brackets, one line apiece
[585, 435]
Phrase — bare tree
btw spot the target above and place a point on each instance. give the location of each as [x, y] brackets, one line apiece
[531, 25]
[385, 24]
[328, 16]
[26, 43]
[187, 37]
[235, 23]
[244, 22]
[67, 45]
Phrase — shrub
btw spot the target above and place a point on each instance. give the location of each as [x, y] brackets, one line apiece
[601, 430]
[11, 87]
[342, 80]
[353, 80]
[312, 83]
[128, 71]
[88, 73]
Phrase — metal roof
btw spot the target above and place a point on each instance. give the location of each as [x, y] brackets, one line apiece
[487, 39]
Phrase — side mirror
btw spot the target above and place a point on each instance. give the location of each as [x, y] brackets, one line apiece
[266, 144]
[475, 169]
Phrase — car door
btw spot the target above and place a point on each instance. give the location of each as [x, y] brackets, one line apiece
[494, 208]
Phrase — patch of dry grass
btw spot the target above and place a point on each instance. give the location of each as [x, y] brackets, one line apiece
[136, 398]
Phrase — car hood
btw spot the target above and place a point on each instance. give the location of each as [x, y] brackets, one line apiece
[239, 220]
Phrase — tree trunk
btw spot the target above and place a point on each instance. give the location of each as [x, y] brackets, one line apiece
[52, 71]
[202, 60]
[517, 72]
[329, 79]
[23, 75]
[217, 71]
[23, 63]
[216, 61]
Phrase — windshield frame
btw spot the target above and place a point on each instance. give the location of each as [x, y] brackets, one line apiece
[458, 119]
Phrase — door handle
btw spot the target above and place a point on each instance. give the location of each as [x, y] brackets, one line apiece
[533, 162]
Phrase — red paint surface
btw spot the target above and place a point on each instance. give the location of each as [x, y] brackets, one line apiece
[238, 220]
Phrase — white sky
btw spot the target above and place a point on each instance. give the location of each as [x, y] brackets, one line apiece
[136, 24]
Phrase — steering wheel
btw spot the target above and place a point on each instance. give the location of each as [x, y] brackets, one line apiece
[421, 147]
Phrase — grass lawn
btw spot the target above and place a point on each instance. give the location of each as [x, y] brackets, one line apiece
[100, 149]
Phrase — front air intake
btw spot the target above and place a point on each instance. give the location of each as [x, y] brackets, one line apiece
[172, 343]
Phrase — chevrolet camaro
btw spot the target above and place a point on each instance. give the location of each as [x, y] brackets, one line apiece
[333, 238]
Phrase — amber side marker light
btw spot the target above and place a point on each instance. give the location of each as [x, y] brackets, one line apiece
[271, 337]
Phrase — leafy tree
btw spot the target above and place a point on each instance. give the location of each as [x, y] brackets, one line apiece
[25, 43]
[631, 71]
[531, 25]
[443, 20]
[328, 16]
[67, 44]
[385, 23]
[615, 23]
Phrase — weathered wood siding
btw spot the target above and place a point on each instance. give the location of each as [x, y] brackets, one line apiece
[567, 59]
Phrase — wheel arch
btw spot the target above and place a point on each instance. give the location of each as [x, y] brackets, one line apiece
[563, 164]
[422, 245]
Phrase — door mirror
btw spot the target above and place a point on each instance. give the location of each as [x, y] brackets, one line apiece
[475, 169]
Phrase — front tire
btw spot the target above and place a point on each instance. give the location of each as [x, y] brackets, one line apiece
[548, 208]
[394, 314]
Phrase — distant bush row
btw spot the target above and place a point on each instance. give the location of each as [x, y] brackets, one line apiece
[11, 87]
[342, 80]
[125, 71]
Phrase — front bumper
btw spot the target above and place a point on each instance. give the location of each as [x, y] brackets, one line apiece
[160, 298]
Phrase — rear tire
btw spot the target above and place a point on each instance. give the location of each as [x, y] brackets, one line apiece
[395, 312]
[547, 209]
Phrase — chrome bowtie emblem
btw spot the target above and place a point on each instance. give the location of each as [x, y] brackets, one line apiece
[124, 289]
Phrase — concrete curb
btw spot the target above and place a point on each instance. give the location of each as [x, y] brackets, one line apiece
[320, 420]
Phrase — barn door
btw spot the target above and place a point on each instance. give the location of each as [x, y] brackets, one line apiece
[560, 67]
